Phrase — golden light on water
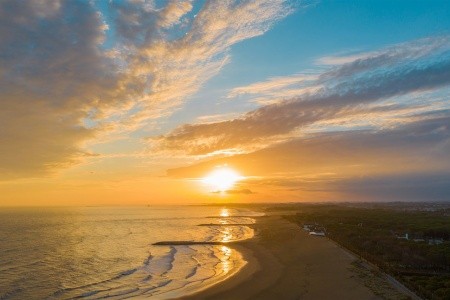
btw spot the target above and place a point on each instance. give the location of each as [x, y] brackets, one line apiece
[226, 235]
[224, 213]
[222, 179]
[226, 263]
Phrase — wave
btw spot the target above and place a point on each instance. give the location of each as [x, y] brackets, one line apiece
[147, 260]
[161, 265]
[87, 294]
[171, 259]
[105, 272]
[15, 267]
[155, 276]
[125, 273]
[10, 294]
[120, 293]
[62, 291]
[191, 273]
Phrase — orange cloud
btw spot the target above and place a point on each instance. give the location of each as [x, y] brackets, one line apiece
[60, 88]
[347, 91]
[345, 165]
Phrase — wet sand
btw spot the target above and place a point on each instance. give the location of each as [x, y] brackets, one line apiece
[284, 262]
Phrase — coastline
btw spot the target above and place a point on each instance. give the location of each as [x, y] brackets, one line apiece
[284, 262]
[235, 279]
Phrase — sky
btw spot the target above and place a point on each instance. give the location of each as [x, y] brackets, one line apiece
[136, 102]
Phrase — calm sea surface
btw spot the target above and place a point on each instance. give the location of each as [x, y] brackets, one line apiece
[98, 252]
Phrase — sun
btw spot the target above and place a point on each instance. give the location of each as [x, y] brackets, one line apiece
[222, 179]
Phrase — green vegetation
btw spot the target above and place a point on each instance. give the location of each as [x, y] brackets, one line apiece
[421, 262]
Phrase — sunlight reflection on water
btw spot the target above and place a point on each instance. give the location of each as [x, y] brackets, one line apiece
[227, 235]
[226, 263]
[95, 252]
[224, 212]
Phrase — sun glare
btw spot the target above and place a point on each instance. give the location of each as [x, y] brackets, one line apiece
[222, 179]
[224, 213]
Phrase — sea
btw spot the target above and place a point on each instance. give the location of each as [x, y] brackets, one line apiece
[108, 252]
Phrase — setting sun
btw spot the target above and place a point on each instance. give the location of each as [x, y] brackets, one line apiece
[222, 179]
[224, 149]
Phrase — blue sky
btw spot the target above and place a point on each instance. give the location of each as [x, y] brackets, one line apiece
[314, 30]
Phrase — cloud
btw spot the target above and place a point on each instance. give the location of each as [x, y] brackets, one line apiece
[391, 56]
[51, 74]
[407, 162]
[275, 84]
[242, 191]
[409, 187]
[420, 145]
[420, 186]
[340, 60]
[347, 90]
[35, 140]
[235, 192]
[173, 12]
[346, 65]
[70, 73]
[277, 89]
[179, 67]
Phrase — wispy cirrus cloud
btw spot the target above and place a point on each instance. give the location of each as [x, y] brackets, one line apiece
[277, 89]
[345, 66]
[178, 67]
[348, 89]
[69, 72]
[272, 85]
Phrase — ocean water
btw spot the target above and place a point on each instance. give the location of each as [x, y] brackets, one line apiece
[98, 252]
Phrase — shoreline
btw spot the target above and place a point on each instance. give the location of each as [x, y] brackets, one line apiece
[284, 262]
[234, 277]
[250, 267]
[257, 260]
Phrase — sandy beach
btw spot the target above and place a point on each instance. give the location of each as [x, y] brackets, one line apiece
[284, 262]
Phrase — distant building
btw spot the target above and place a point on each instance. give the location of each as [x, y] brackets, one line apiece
[419, 239]
[435, 241]
[405, 237]
[308, 227]
[317, 233]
